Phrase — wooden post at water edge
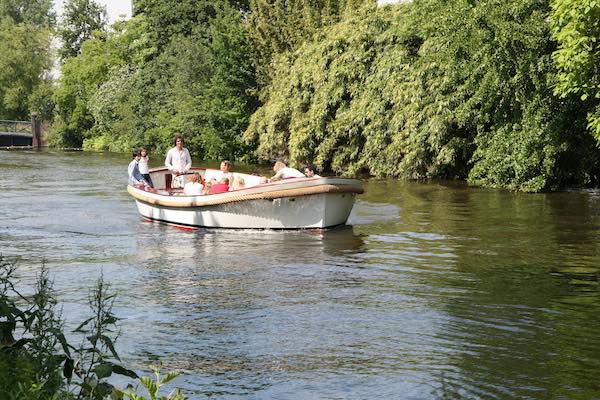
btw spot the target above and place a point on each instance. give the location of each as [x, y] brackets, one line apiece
[36, 131]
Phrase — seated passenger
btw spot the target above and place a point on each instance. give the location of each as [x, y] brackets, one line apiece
[221, 187]
[238, 183]
[309, 171]
[136, 179]
[284, 172]
[226, 170]
[133, 171]
[194, 186]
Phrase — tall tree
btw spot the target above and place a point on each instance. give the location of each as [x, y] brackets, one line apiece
[36, 12]
[80, 19]
[198, 85]
[24, 61]
[127, 88]
[82, 75]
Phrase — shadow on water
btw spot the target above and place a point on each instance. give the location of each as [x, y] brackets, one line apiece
[437, 290]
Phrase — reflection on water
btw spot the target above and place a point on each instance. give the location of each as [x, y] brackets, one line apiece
[436, 291]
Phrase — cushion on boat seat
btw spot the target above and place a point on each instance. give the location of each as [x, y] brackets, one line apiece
[212, 174]
[251, 180]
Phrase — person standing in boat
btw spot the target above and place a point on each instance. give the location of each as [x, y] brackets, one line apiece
[179, 162]
[282, 171]
[143, 166]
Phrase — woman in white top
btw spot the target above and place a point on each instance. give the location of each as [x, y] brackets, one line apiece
[284, 172]
[226, 170]
[179, 162]
[194, 186]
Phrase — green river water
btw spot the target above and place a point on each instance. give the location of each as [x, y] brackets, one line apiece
[435, 290]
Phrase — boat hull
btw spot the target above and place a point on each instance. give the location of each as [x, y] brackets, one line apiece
[304, 212]
[298, 203]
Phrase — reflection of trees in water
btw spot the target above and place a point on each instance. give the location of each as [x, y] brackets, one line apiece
[521, 291]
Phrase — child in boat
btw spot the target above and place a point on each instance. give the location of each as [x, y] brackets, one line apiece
[143, 165]
[133, 171]
[238, 183]
[221, 187]
[282, 171]
[194, 186]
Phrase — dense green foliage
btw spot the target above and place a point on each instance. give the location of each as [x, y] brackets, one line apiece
[148, 80]
[25, 59]
[38, 363]
[168, 19]
[34, 12]
[80, 19]
[80, 79]
[502, 93]
[576, 27]
[278, 26]
[430, 89]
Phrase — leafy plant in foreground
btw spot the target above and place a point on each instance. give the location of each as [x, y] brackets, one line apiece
[32, 346]
[96, 357]
[38, 363]
[152, 386]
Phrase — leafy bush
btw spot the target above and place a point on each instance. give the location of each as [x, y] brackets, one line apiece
[38, 363]
[576, 28]
[276, 27]
[429, 90]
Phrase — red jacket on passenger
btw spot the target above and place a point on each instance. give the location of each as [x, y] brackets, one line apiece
[218, 188]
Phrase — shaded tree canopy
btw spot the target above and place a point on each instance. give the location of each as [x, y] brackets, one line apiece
[277, 26]
[495, 92]
[150, 79]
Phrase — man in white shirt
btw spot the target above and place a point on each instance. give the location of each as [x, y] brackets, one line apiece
[179, 162]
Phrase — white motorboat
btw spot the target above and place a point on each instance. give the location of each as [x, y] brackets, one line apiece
[298, 203]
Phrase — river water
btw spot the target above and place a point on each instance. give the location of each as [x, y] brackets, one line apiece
[436, 291]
